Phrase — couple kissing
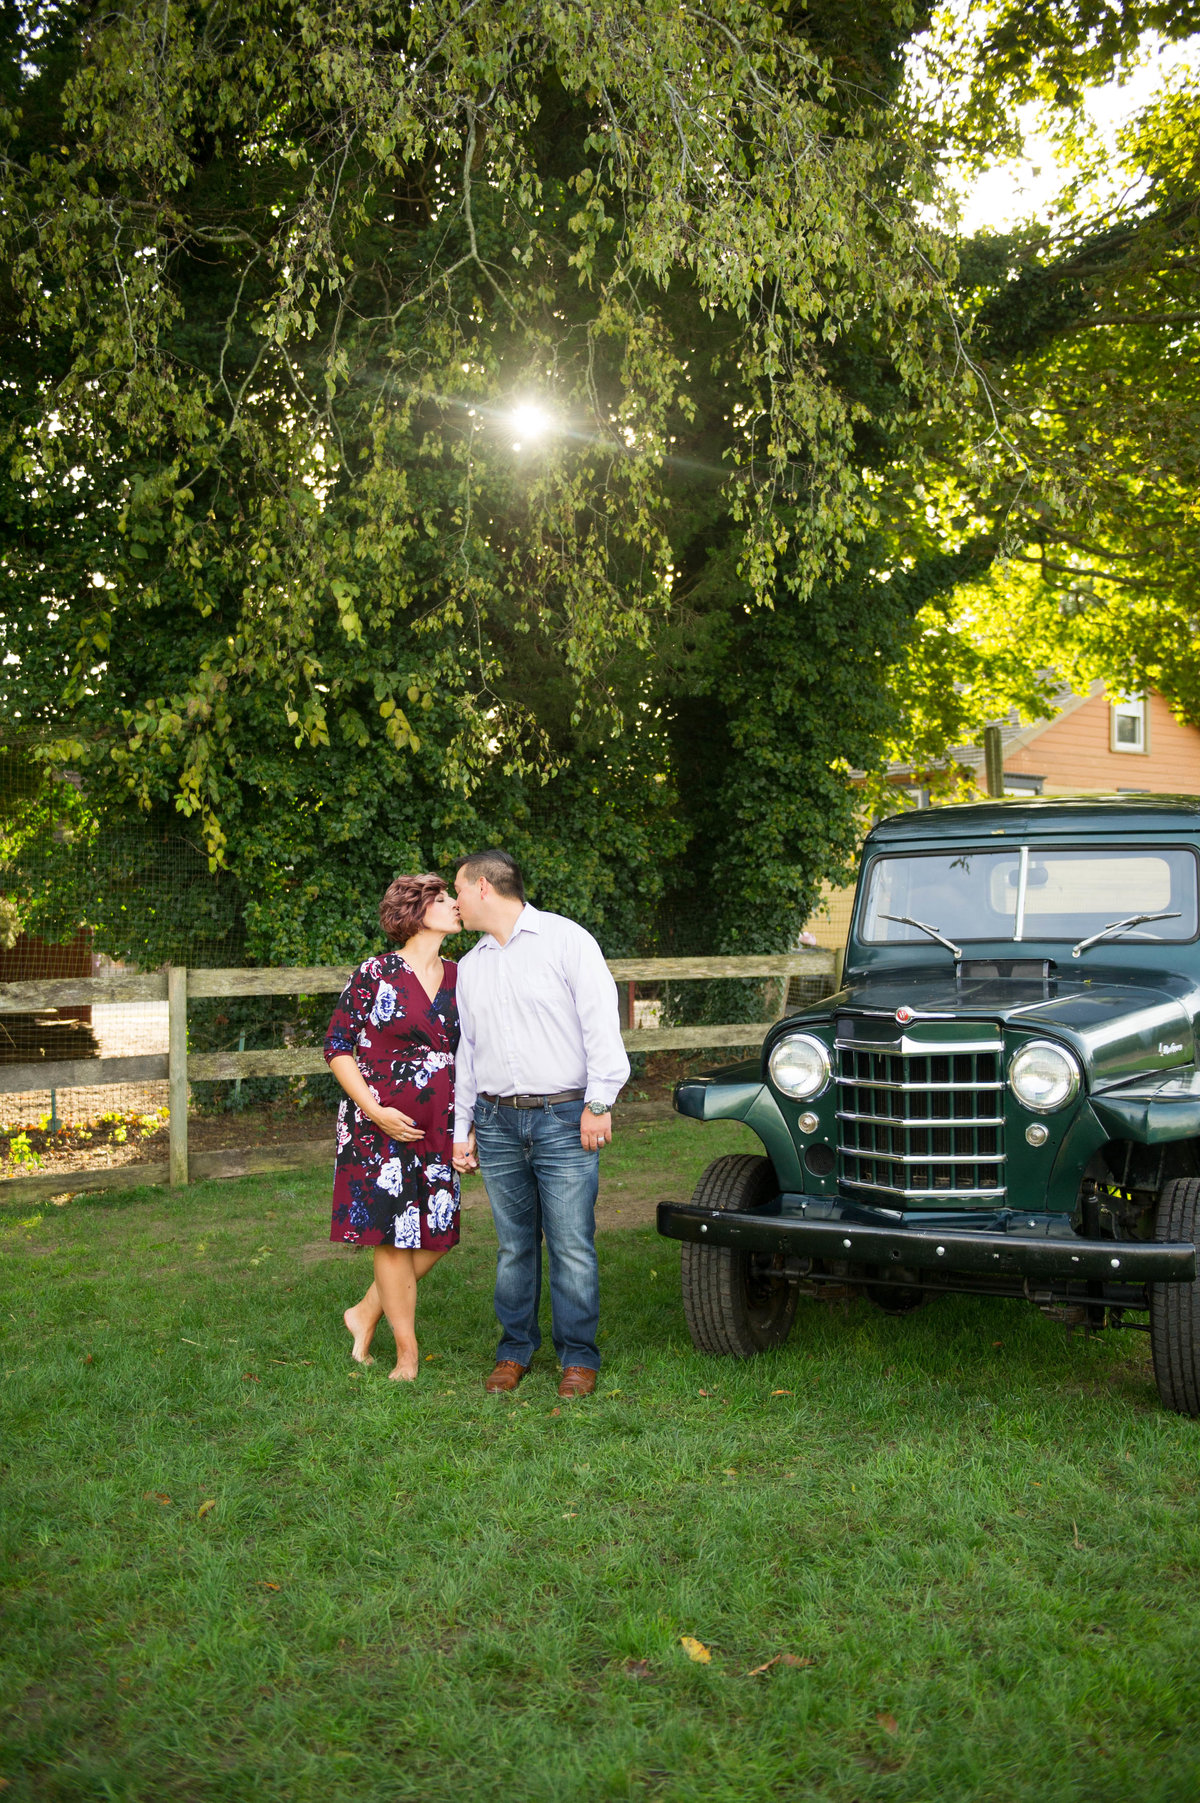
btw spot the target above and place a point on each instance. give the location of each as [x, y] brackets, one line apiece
[508, 1062]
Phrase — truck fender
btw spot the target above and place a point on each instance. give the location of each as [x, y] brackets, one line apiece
[752, 1102]
[1155, 1110]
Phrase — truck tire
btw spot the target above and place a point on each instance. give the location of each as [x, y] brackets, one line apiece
[1175, 1307]
[731, 1310]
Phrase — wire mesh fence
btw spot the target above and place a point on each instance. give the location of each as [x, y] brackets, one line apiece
[84, 901]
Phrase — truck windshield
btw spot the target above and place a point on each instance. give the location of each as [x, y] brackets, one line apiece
[1029, 893]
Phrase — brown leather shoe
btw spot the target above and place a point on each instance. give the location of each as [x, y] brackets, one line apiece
[577, 1380]
[506, 1376]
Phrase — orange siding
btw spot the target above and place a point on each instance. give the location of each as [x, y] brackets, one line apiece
[1074, 753]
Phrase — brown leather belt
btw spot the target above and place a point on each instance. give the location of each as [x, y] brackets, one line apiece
[564, 1095]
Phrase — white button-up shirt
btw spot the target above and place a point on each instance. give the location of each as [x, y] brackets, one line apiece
[538, 1015]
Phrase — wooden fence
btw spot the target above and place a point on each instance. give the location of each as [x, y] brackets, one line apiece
[179, 985]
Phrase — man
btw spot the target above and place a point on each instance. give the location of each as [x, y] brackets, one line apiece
[540, 1063]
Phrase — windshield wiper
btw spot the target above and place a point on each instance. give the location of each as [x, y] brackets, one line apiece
[1122, 926]
[906, 920]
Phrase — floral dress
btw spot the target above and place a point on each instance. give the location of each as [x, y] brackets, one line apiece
[386, 1193]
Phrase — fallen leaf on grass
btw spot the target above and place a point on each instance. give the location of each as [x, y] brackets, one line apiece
[248, 1377]
[202, 1511]
[704, 1392]
[87, 1358]
[888, 1722]
[432, 1355]
[556, 1411]
[637, 1668]
[779, 1659]
[264, 1585]
[729, 1471]
[783, 1392]
[695, 1649]
[571, 1515]
[158, 1496]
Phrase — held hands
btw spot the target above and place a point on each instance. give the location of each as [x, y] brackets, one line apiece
[595, 1130]
[464, 1158]
[397, 1126]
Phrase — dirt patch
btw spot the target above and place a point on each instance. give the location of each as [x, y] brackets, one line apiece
[115, 1140]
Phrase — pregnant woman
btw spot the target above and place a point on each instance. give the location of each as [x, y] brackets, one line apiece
[391, 1045]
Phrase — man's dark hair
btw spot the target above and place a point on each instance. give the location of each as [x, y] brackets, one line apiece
[501, 871]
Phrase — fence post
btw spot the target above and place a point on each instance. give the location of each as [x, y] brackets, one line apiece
[177, 1081]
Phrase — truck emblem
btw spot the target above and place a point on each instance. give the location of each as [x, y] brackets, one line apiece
[904, 1015]
[1165, 1050]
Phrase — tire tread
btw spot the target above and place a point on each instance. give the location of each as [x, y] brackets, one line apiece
[1175, 1307]
[711, 1277]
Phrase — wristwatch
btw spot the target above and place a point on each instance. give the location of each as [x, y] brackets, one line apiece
[598, 1107]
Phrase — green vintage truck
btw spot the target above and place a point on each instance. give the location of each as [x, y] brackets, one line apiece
[1003, 1100]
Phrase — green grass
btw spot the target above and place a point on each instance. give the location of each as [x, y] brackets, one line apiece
[432, 1594]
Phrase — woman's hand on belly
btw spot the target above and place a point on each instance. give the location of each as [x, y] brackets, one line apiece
[396, 1125]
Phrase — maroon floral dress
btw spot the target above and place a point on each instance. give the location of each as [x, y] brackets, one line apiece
[386, 1193]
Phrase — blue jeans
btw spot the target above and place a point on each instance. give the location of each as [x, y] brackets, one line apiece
[541, 1181]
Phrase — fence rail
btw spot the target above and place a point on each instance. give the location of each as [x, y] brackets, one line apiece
[178, 985]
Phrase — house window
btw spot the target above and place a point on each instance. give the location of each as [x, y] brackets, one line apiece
[1129, 723]
[1023, 785]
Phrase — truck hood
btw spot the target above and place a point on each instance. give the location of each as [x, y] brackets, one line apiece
[1118, 1029]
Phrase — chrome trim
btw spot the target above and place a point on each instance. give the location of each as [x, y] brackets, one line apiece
[904, 1120]
[920, 1088]
[920, 1048]
[923, 1157]
[1063, 1052]
[806, 1095]
[909, 1194]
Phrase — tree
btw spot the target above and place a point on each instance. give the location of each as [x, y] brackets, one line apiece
[276, 278]
[1088, 330]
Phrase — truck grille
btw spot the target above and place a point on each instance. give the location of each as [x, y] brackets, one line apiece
[921, 1124]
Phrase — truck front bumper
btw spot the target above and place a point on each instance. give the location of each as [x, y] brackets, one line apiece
[1045, 1257]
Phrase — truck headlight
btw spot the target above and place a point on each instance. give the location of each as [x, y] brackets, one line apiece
[1044, 1076]
[799, 1066]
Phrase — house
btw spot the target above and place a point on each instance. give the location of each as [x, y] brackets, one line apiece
[1097, 745]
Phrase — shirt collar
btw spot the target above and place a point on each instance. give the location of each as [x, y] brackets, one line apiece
[529, 920]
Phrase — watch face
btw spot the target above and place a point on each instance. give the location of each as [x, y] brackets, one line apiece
[596, 1108]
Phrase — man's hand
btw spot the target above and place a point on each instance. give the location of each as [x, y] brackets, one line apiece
[397, 1126]
[463, 1157]
[595, 1130]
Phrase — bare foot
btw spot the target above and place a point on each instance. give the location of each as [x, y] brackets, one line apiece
[362, 1328]
[408, 1363]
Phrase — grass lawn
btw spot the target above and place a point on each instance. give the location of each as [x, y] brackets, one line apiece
[239, 1568]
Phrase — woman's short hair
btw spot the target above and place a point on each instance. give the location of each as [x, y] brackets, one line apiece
[405, 901]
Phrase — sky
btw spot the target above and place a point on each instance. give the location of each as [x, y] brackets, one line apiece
[1025, 188]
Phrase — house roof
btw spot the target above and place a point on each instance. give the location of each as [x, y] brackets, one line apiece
[1013, 735]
